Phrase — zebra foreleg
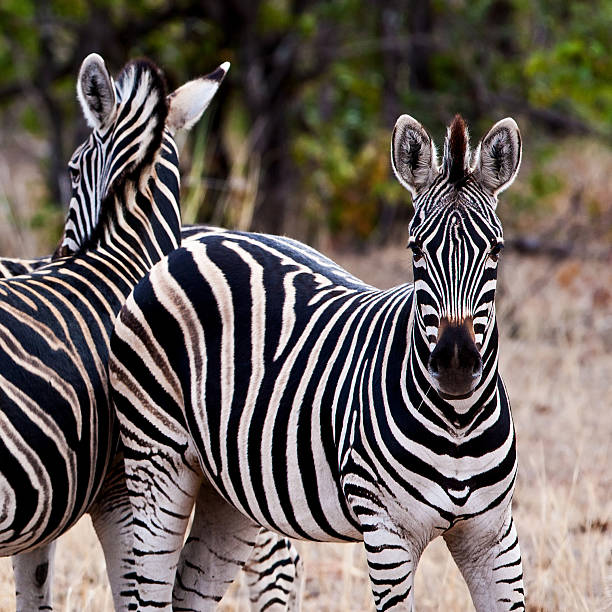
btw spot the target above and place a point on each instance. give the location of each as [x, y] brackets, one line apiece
[391, 564]
[490, 560]
[111, 516]
[220, 541]
[33, 578]
[274, 574]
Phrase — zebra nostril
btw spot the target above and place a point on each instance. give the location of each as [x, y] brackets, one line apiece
[477, 367]
[433, 365]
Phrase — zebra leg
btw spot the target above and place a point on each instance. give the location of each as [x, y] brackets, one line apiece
[490, 560]
[33, 578]
[111, 516]
[219, 543]
[162, 486]
[274, 574]
[391, 563]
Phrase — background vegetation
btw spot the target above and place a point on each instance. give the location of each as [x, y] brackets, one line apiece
[299, 137]
[297, 142]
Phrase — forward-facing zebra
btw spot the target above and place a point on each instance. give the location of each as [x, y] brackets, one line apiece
[274, 571]
[258, 379]
[57, 452]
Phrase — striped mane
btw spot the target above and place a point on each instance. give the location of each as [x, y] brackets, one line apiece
[140, 85]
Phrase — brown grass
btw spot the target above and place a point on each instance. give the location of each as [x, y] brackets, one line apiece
[556, 358]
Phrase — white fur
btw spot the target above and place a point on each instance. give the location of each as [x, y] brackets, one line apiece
[98, 109]
[189, 101]
[496, 170]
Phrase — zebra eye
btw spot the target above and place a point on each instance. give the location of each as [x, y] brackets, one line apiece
[495, 252]
[75, 175]
[417, 251]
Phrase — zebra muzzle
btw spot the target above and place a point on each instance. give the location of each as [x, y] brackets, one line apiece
[455, 364]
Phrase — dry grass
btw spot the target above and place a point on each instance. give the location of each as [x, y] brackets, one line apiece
[556, 357]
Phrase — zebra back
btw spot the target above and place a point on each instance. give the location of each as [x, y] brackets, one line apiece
[14, 266]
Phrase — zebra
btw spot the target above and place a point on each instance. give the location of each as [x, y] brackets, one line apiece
[14, 266]
[59, 432]
[274, 571]
[257, 379]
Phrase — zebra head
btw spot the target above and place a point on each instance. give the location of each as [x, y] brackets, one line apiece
[456, 239]
[130, 118]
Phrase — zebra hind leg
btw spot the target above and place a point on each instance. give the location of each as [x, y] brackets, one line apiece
[220, 541]
[162, 487]
[111, 516]
[274, 574]
[33, 578]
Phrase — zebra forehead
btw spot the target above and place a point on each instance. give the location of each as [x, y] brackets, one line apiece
[457, 222]
[460, 210]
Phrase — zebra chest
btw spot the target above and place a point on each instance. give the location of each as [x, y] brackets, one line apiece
[419, 490]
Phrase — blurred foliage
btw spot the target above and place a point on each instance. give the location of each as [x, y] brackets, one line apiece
[298, 140]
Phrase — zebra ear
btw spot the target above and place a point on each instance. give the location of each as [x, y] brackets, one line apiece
[96, 92]
[498, 157]
[413, 154]
[188, 102]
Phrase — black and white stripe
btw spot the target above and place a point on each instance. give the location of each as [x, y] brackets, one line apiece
[254, 377]
[15, 266]
[58, 449]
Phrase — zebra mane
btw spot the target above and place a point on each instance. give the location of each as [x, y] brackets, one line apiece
[141, 84]
[455, 164]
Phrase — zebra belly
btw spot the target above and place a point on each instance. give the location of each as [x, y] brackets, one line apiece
[290, 511]
[274, 467]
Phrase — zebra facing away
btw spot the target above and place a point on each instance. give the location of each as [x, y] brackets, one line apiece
[57, 452]
[274, 570]
[254, 377]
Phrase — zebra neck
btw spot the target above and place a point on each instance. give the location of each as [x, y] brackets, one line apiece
[405, 409]
[141, 223]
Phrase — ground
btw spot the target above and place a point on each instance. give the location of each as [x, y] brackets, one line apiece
[556, 358]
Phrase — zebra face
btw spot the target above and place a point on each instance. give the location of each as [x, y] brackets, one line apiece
[455, 254]
[456, 239]
[127, 118]
[84, 208]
